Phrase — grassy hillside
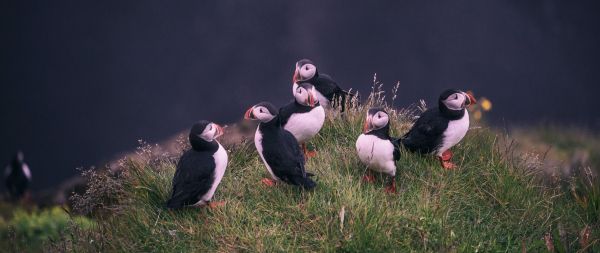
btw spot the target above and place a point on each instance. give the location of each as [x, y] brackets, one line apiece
[492, 202]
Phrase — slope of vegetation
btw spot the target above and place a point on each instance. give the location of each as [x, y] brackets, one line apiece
[492, 202]
[30, 230]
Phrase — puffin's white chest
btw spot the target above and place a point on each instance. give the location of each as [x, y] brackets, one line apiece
[457, 129]
[376, 153]
[304, 126]
[220, 165]
[322, 99]
[26, 171]
[259, 147]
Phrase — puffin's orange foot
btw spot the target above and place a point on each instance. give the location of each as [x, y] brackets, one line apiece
[310, 154]
[268, 182]
[216, 204]
[447, 155]
[369, 178]
[448, 165]
[390, 189]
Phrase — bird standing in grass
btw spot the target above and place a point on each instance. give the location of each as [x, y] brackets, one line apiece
[200, 169]
[377, 149]
[304, 116]
[17, 177]
[278, 148]
[439, 129]
[328, 90]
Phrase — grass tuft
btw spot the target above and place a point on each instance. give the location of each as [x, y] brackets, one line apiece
[492, 202]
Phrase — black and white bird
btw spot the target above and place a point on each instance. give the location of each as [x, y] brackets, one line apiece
[328, 90]
[17, 177]
[304, 116]
[200, 169]
[278, 148]
[376, 149]
[439, 129]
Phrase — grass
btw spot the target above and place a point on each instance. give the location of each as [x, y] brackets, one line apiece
[29, 230]
[492, 202]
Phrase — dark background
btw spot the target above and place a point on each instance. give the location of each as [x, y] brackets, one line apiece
[83, 80]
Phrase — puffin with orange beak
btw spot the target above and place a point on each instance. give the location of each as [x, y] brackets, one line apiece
[278, 148]
[441, 128]
[327, 89]
[200, 169]
[304, 116]
[376, 149]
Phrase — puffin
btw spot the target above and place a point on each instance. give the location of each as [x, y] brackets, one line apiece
[304, 116]
[17, 177]
[328, 90]
[200, 169]
[278, 148]
[439, 129]
[376, 149]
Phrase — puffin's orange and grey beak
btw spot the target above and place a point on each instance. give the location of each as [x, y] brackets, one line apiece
[296, 75]
[219, 130]
[249, 114]
[368, 126]
[471, 98]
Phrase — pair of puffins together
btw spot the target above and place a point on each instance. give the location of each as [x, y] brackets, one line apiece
[435, 132]
[282, 133]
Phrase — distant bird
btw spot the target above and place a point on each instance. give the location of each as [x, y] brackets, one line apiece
[304, 116]
[200, 169]
[328, 90]
[377, 149]
[17, 177]
[439, 129]
[278, 148]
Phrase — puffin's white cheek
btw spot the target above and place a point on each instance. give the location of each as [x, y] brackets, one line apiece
[379, 123]
[307, 74]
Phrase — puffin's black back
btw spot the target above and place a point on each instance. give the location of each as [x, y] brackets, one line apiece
[16, 182]
[193, 178]
[426, 135]
[282, 152]
[194, 175]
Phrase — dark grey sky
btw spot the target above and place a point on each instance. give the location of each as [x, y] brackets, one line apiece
[83, 80]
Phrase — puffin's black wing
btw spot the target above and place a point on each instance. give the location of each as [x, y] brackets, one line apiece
[331, 90]
[16, 182]
[287, 161]
[193, 178]
[396, 143]
[327, 86]
[426, 134]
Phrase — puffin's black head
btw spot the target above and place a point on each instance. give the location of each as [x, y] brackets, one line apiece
[18, 159]
[263, 112]
[204, 132]
[306, 95]
[305, 70]
[377, 119]
[456, 100]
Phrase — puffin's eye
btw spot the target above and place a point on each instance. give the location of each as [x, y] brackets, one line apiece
[210, 127]
[260, 110]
